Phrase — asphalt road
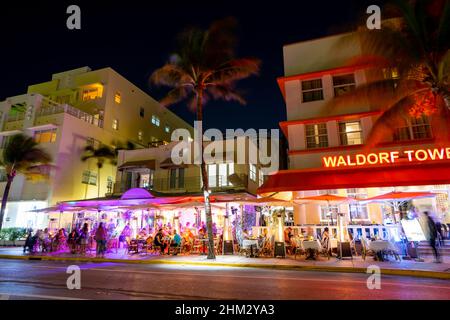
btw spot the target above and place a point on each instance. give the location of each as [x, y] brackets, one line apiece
[47, 280]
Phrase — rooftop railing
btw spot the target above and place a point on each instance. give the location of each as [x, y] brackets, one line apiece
[49, 107]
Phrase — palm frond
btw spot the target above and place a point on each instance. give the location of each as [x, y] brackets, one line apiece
[171, 75]
[225, 92]
[234, 70]
[381, 94]
[176, 95]
[443, 33]
[389, 121]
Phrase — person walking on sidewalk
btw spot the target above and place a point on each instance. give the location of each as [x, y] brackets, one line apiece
[432, 235]
[100, 238]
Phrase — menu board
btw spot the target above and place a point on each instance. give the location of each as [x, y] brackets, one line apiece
[413, 230]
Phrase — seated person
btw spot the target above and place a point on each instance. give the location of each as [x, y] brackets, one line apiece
[29, 243]
[176, 241]
[325, 238]
[159, 241]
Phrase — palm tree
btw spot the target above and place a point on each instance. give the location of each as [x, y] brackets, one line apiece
[21, 155]
[101, 154]
[415, 48]
[205, 67]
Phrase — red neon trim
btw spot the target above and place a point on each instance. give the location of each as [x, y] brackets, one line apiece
[401, 174]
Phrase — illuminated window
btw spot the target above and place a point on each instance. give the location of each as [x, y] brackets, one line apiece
[343, 84]
[328, 212]
[218, 174]
[350, 133]
[90, 94]
[45, 136]
[391, 73]
[416, 128]
[253, 172]
[140, 135]
[312, 90]
[89, 177]
[358, 211]
[115, 124]
[155, 120]
[316, 135]
[167, 129]
[117, 97]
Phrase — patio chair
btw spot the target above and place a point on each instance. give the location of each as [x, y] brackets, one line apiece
[132, 247]
[365, 251]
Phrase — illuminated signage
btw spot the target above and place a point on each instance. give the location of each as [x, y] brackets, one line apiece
[413, 230]
[388, 157]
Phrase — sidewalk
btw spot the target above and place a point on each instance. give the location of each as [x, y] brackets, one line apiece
[405, 267]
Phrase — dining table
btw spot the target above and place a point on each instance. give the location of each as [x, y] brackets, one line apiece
[311, 247]
[250, 244]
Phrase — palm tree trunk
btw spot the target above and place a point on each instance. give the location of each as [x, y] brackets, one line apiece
[5, 197]
[211, 253]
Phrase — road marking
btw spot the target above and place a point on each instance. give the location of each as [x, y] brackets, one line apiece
[28, 295]
[193, 274]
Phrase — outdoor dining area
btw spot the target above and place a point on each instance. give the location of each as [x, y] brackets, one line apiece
[140, 224]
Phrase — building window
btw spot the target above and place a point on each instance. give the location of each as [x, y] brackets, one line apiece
[117, 97]
[5, 140]
[356, 210]
[312, 90]
[90, 94]
[343, 84]
[167, 129]
[141, 112]
[115, 124]
[218, 174]
[390, 73]
[109, 184]
[328, 212]
[316, 135]
[416, 128]
[176, 178]
[146, 180]
[3, 176]
[328, 191]
[91, 142]
[253, 172]
[89, 177]
[140, 135]
[45, 136]
[155, 120]
[261, 178]
[350, 133]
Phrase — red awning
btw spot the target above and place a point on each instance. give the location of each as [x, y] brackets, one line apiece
[410, 174]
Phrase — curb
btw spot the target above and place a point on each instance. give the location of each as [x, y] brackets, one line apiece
[384, 271]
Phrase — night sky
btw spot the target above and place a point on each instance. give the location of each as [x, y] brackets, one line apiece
[136, 37]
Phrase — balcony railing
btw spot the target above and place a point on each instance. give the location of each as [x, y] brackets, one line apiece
[49, 107]
[187, 184]
[18, 116]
